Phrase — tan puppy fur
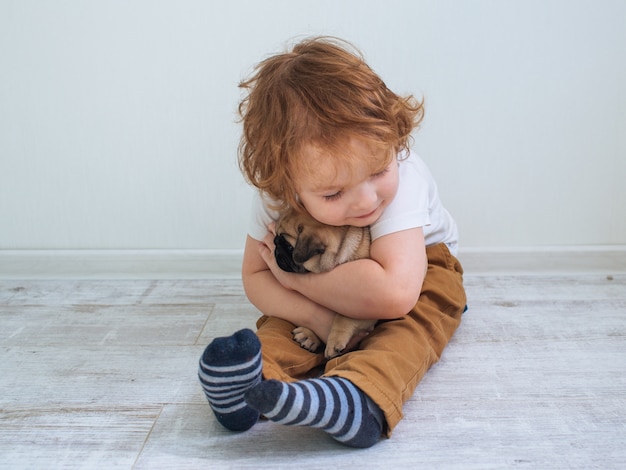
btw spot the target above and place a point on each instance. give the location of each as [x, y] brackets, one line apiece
[305, 245]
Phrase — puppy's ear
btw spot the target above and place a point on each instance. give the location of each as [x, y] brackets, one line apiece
[307, 246]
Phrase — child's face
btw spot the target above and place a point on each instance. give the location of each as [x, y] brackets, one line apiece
[338, 196]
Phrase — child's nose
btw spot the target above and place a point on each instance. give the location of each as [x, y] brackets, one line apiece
[366, 196]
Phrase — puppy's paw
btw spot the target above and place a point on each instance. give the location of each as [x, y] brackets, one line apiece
[337, 344]
[306, 339]
[346, 334]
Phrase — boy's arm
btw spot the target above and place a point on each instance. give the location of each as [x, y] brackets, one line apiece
[273, 299]
[386, 286]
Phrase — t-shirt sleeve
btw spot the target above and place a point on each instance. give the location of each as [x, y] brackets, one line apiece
[260, 216]
[410, 207]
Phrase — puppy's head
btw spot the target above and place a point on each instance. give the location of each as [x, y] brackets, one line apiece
[301, 241]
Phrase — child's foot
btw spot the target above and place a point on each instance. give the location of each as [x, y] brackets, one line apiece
[229, 366]
[333, 404]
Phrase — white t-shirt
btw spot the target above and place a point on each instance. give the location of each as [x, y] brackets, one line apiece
[416, 204]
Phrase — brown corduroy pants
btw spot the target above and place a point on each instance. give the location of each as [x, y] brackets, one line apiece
[393, 358]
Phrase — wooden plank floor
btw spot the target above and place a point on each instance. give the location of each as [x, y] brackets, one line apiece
[102, 374]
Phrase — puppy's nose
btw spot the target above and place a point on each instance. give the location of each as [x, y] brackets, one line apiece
[282, 244]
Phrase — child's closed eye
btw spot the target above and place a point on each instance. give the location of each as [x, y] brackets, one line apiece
[333, 197]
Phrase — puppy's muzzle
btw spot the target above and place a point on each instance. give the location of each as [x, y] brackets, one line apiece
[284, 256]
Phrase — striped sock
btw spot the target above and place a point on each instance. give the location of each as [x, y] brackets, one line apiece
[332, 404]
[228, 367]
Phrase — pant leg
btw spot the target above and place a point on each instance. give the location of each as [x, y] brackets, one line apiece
[283, 358]
[392, 360]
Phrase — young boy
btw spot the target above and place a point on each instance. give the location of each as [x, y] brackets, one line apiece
[323, 134]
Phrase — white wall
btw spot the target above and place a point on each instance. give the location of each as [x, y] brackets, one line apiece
[117, 118]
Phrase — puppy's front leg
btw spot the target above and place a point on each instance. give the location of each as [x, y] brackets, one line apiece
[342, 331]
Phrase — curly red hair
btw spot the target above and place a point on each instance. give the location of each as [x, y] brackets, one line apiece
[321, 94]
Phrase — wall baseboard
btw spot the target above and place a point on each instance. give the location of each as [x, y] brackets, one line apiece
[120, 264]
[606, 259]
[226, 264]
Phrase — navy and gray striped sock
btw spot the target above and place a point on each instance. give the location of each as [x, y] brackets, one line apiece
[332, 404]
[228, 367]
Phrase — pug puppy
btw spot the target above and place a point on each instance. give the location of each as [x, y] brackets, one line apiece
[305, 245]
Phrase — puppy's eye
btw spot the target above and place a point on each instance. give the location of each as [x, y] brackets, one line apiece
[300, 228]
